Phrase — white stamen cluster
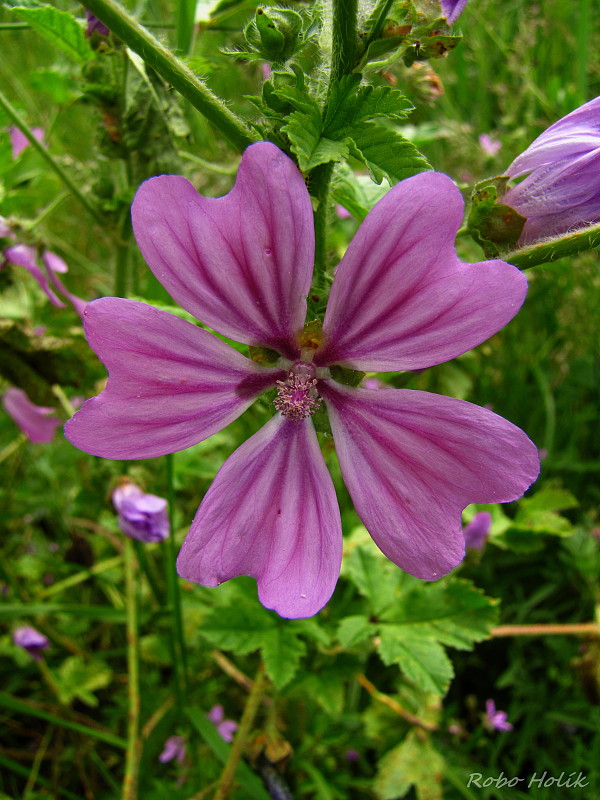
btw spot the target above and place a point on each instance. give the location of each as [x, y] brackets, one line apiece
[297, 396]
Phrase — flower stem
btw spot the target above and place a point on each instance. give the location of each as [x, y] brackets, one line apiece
[48, 158]
[173, 71]
[177, 641]
[241, 736]
[552, 249]
[344, 46]
[577, 629]
[132, 756]
[344, 39]
[394, 705]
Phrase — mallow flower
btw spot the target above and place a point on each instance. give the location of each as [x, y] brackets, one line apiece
[38, 423]
[400, 300]
[562, 189]
[476, 533]
[452, 9]
[173, 748]
[226, 728]
[141, 516]
[19, 142]
[496, 720]
[31, 640]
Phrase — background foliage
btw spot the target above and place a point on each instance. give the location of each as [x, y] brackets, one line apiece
[382, 695]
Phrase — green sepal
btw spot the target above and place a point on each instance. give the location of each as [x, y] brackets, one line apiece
[493, 225]
[349, 377]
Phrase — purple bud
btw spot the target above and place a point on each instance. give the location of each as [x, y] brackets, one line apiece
[174, 748]
[38, 423]
[477, 531]
[31, 640]
[141, 516]
[562, 189]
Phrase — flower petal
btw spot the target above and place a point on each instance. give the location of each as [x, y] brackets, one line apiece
[241, 263]
[413, 460]
[271, 513]
[171, 384]
[38, 423]
[401, 299]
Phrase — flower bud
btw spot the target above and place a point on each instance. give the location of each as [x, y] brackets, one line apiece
[274, 33]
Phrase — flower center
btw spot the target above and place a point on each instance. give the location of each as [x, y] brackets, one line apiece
[298, 397]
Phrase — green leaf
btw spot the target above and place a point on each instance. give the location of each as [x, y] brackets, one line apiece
[58, 27]
[374, 576]
[281, 651]
[385, 153]
[355, 630]
[237, 628]
[420, 657]
[356, 193]
[79, 679]
[244, 628]
[351, 104]
[414, 762]
[454, 612]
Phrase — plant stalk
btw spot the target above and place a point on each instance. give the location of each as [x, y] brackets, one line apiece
[132, 755]
[241, 736]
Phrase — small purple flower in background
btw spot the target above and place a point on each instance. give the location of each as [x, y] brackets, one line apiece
[22, 255]
[497, 720]
[562, 189]
[141, 516]
[489, 146]
[452, 9]
[400, 300]
[477, 531]
[352, 755]
[225, 727]
[18, 140]
[31, 640]
[38, 423]
[94, 25]
[174, 748]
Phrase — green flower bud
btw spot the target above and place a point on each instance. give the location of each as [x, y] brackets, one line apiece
[274, 33]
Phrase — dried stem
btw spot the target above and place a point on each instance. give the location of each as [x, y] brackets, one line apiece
[394, 705]
[577, 629]
[132, 757]
[246, 723]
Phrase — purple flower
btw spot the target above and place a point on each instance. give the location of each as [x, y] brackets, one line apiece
[18, 140]
[477, 531]
[452, 9]
[225, 727]
[141, 516]
[22, 255]
[562, 189]
[498, 720]
[94, 25]
[31, 640]
[400, 300]
[38, 423]
[174, 748]
[489, 146]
